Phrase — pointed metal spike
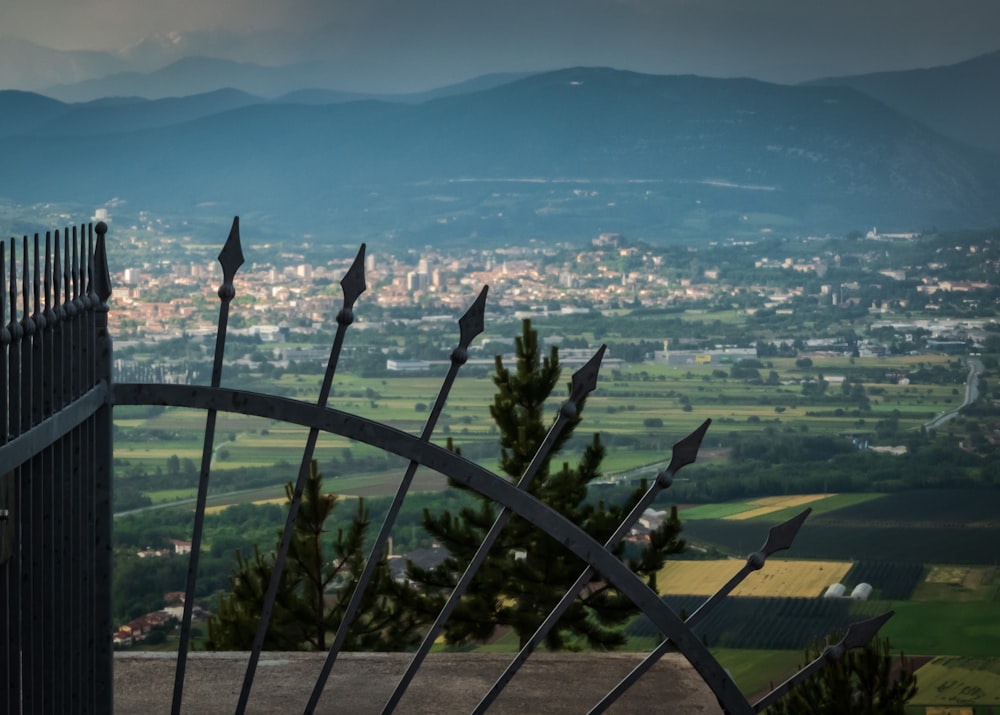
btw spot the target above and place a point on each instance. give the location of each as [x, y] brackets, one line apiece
[686, 451]
[102, 275]
[473, 322]
[781, 536]
[585, 379]
[353, 281]
[861, 633]
[231, 255]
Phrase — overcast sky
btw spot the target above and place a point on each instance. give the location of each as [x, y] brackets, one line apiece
[429, 41]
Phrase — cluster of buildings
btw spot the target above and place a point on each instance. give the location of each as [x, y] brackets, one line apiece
[170, 294]
[140, 629]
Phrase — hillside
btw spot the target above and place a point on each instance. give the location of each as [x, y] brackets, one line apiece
[959, 101]
[560, 155]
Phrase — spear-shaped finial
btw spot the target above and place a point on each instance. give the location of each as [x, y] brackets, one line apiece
[469, 326]
[102, 276]
[353, 285]
[230, 258]
[583, 383]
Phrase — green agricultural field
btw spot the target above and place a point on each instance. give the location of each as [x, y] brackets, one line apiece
[944, 627]
[775, 509]
[714, 511]
[959, 682]
[831, 503]
[165, 496]
[757, 671]
[642, 411]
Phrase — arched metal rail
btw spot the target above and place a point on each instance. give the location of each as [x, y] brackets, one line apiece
[28, 445]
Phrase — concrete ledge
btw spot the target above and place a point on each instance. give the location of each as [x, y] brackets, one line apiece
[550, 683]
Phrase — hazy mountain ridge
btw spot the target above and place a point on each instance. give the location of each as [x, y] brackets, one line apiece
[960, 101]
[27, 66]
[200, 75]
[555, 155]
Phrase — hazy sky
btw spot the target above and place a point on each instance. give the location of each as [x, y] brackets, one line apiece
[779, 40]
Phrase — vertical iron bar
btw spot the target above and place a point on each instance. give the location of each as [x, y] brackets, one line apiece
[64, 562]
[28, 328]
[584, 381]
[53, 587]
[77, 494]
[231, 258]
[471, 325]
[103, 457]
[90, 462]
[684, 453]
[5, 338]
[6, 546]
[40, 497]
[14, 425]
[14, 355]
[353, 285]
[30, 666]
[11, 635]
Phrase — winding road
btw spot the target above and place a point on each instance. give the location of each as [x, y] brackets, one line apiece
[971, 395]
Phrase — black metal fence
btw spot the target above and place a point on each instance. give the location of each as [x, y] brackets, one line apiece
[55, 461]
[55, 474]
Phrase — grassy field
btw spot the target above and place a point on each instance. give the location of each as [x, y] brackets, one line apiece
[831, 503]
[943, 627]
[959, 682]
[658, 403]
[775, 509]
[757, 671]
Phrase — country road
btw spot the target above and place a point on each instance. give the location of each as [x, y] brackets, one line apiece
[971, 395]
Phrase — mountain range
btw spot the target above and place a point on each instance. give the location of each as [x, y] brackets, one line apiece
[961, 101]
[557, 155]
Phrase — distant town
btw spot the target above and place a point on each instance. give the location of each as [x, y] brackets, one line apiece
[866, 294]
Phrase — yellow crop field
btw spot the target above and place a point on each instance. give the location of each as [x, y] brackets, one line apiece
[789, 579]
[222, 507]
[768, 505]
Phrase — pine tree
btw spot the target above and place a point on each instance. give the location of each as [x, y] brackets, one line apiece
[862, 682]
[527, 572]
[314, 588]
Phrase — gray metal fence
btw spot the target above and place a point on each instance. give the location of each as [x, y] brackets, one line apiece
[55, 458]
[55, 474]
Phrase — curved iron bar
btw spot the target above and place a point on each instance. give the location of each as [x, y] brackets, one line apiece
[684, 453]
[470, 325]
[353, 285]
[478, 478]
[230, 258]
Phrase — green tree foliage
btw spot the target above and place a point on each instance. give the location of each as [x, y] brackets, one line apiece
[314, 588]
[527, 572]
[865, 681]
